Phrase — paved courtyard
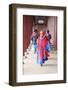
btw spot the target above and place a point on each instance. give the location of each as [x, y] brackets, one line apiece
[31, 67]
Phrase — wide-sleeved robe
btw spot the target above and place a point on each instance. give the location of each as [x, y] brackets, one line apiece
[42, 50]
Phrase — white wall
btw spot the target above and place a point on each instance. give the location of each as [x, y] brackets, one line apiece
[4, 47]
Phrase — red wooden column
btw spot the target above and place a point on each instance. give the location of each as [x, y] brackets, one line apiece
[27, 30]
[55, 32]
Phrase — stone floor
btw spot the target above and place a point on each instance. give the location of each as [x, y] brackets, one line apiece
[30, 66]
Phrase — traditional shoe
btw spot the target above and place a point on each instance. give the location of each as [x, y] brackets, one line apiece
[41, 65]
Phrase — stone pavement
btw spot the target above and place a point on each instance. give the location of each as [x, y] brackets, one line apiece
[31, 67]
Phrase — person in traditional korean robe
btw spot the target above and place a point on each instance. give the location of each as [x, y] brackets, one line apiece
[34, 41]
[49, 39]
[42, 49]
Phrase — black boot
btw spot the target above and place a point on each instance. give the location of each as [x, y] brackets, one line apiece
[41, 65]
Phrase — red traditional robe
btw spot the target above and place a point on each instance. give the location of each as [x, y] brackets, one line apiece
[42, 54]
